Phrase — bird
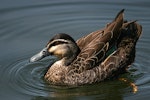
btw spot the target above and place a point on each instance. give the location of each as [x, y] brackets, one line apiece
[93, 58]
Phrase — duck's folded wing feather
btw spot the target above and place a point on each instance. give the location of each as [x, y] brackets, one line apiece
[82, 42]
[94, 46]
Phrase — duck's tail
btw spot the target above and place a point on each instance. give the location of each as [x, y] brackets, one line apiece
[130, 31]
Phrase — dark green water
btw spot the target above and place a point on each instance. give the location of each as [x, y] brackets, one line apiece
[27, 25]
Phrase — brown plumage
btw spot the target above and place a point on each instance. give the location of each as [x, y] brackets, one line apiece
[85, 61]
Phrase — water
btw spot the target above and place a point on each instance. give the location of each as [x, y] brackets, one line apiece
[27, 25]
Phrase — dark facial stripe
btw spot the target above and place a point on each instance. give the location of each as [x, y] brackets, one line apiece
[62, 36]
[57, 43]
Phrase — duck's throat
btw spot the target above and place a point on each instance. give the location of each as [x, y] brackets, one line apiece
[68, 61]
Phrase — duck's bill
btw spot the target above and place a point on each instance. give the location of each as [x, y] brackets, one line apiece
[43, 53]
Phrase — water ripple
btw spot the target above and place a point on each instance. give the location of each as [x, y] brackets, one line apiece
[27, 78]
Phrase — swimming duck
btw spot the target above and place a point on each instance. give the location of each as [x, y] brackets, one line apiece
[91, 59]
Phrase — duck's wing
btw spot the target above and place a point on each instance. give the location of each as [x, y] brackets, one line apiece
[95, 45]
[114, 63]
[84, 41]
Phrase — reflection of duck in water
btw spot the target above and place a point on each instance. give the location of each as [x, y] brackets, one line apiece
[88, 60]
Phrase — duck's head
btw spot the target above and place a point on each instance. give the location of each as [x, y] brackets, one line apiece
[61, 45]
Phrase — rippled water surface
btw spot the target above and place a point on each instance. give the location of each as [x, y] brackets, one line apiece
[27, 25]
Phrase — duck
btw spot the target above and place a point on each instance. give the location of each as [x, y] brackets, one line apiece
[100, 55]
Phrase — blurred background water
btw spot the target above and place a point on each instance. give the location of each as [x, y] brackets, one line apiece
[27, 25]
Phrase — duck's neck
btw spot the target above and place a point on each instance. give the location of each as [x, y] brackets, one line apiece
[69, 57]
[67, 60]
[72, 56]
